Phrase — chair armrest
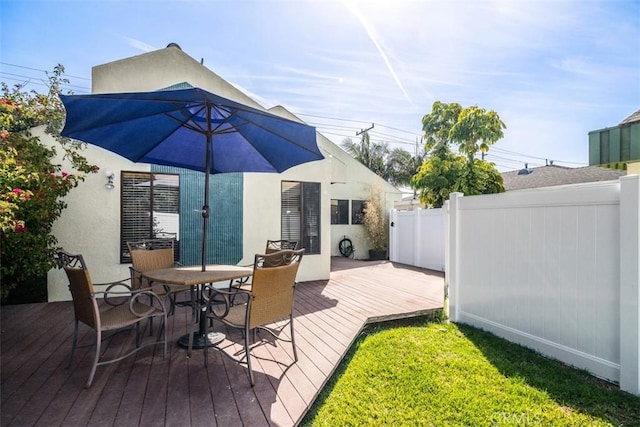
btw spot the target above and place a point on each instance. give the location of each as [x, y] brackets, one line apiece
[237, 283]
[219, 301]
[132, 297]
[121, 282]
[109, 290]
[242, 281]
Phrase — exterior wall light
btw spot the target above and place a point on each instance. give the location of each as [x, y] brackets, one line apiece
[110, 177]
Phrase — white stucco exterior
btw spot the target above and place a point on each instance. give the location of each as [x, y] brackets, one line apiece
[91, 223]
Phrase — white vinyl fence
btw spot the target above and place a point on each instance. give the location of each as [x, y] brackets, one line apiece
[417, 238]
[554, 269]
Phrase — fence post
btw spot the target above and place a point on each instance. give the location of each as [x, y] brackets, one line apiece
[451, 285]
[630, 284]
[418, 247]
[393, 238]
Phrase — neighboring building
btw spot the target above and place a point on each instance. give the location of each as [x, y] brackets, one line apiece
[617, 147]
[316, 203]
[547, 176]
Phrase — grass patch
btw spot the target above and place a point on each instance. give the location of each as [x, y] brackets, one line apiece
[421, 373]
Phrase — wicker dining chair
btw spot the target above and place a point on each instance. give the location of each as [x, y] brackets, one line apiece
[278, 245]
[152, 254]
[124, 310]
[275, 259]
[270, 300]
[271, 247]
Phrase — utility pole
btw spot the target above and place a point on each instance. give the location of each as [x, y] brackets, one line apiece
[365, 130]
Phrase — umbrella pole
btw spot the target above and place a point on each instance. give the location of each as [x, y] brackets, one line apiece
[205, 208]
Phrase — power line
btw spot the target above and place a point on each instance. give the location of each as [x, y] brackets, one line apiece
[400, 130]
[42, 71]
[28, 79]
[327, 128]
[546, 159]
[24, 83]
[394, 139]
[493, 156]
[333, 118]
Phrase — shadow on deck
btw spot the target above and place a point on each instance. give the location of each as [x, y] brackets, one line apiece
[145, 390]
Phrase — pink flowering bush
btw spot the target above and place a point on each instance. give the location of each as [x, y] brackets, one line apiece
[32, 187]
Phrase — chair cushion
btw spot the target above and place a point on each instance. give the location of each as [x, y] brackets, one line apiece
[236, 315]
[121, 316]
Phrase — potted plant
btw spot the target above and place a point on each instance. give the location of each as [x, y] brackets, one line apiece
[375, 225]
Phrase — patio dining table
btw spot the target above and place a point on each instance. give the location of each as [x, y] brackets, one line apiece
[193, 276]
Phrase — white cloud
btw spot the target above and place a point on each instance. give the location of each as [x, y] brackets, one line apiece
[140, 45]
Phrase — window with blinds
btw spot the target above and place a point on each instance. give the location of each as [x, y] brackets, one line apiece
[339, 211]
[150, 208]
[300, 214]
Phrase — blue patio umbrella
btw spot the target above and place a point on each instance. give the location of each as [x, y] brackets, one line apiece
[190, 128]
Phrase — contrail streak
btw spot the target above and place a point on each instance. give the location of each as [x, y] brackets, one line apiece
[373, 38]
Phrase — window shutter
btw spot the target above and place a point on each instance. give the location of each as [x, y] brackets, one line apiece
[311, 216]
[150, 208]
[291, 211]
[300, 214]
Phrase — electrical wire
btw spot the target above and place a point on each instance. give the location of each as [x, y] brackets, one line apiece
[25, 80]
[43, 71]
[342, 129]
[546, 159]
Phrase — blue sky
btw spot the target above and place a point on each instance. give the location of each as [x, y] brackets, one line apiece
[553, 70]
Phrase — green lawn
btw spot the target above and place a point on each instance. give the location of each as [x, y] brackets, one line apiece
[417, 373]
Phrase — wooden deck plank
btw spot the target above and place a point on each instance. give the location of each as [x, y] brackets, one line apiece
[224, 404]
[145, 390]
[16, 348]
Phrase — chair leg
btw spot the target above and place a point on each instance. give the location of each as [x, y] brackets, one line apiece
[193, 302]
[172, 304]
[247, 349]
[247, 353]
[206, 351]
[96, 358]
[74, 343]
[293, 340]
[163, 328]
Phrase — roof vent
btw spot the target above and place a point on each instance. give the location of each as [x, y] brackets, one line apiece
[525, 171]
[172, 44]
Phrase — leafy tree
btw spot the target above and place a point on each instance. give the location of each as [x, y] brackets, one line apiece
[396, 166]
[481, 178]
[401, 166]
[475, 130]
[437, 125]
[31, 186]
[370, 154]
[472, 129]
[438, 176]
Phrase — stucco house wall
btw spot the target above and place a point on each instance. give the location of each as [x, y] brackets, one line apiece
[91, 223]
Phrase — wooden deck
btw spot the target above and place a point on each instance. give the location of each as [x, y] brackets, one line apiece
[145, 390]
